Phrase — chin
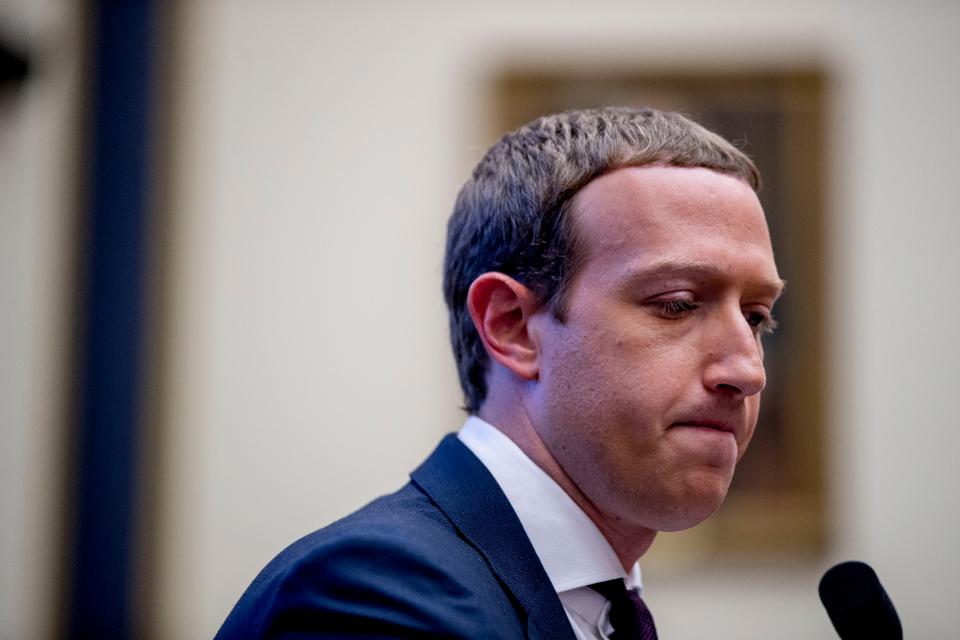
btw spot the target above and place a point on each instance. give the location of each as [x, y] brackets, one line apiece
[687, 520]
[692, 506]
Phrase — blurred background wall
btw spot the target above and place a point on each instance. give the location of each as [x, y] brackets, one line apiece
[39, 105]
[299, 363]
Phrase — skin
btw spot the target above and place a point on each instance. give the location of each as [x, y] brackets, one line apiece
[642, 400]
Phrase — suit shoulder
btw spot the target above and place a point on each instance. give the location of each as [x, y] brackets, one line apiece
[395, 568]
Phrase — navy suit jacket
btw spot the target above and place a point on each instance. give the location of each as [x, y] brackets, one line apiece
[444, 557]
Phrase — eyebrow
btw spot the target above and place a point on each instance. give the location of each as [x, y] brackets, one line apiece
[674, 267]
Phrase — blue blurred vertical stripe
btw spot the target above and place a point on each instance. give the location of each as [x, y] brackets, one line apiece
[109, 420]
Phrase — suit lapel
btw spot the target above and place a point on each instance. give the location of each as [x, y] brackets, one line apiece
[466, 492]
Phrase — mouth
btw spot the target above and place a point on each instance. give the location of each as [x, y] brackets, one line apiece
[713, 425]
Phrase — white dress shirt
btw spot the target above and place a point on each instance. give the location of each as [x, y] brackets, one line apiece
[572, 550]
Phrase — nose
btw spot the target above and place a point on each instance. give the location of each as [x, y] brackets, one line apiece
[734, 364]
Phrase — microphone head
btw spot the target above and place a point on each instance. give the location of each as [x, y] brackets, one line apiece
[857, 604]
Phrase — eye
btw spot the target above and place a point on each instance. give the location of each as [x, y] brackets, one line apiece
[675, 307]
[761, 321]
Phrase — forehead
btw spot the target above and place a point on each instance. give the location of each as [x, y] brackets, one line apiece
[639, 216]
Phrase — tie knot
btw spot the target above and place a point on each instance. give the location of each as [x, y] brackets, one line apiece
[612, 590]
[629, 615]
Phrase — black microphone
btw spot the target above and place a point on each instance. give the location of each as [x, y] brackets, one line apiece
[857, 604]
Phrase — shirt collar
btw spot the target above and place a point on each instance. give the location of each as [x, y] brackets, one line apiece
[572, 550]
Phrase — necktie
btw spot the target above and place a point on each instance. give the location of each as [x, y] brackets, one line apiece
[629, 616]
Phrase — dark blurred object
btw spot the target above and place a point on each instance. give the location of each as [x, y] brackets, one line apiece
[105, 480]
[14, 66]
[857, 603]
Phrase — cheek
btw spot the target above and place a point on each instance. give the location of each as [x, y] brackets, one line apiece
[632, 363]
[660, 374]
[616, 367]
[752, 413]
[583, 386]
[577, 373]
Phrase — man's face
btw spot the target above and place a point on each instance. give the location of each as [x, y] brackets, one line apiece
[648, 391]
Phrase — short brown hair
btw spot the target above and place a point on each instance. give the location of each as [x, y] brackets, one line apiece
[512, 215]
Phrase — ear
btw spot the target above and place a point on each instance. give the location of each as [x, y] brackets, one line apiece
[501, 308]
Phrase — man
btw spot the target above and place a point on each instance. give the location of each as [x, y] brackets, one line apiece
[609, 277]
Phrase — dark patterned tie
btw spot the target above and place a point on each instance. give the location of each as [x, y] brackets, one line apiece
[629, 616]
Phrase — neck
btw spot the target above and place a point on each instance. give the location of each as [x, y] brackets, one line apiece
[628, 541]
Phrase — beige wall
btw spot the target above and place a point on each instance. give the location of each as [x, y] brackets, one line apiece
[37, 131]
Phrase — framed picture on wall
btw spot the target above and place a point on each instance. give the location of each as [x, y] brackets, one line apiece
[776, 504]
